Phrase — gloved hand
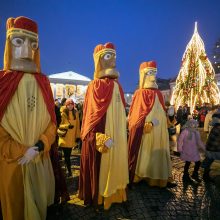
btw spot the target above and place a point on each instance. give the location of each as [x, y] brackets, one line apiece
[155, 122]
[71, 126]
[29, 155]
[108, 143]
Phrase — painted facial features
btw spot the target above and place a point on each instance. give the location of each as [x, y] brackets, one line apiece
[108, 60]
[23, 47]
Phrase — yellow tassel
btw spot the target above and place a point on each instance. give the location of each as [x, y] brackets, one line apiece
[148, 127]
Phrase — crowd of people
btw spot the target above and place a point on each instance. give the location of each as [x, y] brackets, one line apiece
[184, 137]
[193, 135]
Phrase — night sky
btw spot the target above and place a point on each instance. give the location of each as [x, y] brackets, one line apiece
[142, 30]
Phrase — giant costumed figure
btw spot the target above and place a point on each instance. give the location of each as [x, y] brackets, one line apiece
[148, 144]
[27, 126]
[104, 161]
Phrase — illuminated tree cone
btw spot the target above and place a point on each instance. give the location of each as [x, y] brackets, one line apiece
[195, 83]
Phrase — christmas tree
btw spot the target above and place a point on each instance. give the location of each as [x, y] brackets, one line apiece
[195, 83]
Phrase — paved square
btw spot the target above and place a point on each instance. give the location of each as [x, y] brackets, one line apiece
[186, 201]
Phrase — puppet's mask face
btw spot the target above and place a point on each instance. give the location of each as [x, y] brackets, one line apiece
[108, 60]
[149, 79]
[23, 49]
[108, 65]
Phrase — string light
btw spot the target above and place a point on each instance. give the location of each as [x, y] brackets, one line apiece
[195, 83]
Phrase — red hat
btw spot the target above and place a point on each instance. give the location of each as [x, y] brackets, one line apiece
[148, 65]
[22, 25]
[106, 47]
[69, 101]
[144, 68]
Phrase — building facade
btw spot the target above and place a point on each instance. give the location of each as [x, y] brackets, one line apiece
[69, 85]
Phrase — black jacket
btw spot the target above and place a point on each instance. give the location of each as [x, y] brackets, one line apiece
[213, 142]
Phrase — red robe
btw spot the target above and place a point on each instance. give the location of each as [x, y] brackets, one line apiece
[142, 104]
[97, 100]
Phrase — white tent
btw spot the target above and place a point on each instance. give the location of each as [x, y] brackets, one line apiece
[69, 77]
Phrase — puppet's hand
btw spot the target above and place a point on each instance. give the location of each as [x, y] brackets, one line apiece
[109, 143]
[29, 155]
[155, 122]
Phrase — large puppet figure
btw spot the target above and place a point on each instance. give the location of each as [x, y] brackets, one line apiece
[27, 126]
[104, 160]
[149, 153]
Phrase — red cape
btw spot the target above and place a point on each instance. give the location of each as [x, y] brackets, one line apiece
[97, 100]
[9, 81]
[142, 104]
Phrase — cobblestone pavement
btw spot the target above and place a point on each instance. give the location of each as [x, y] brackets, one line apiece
[186, 201]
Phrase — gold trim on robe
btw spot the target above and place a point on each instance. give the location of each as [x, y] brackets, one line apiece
[113, 178]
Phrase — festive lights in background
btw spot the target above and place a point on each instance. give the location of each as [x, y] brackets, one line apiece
[195, 83]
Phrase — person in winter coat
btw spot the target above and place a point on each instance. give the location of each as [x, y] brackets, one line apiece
[212, 145]
[208, 119]
[171, 125]
[62, 105]
[189, 143]
[202, 115]
[70, 123]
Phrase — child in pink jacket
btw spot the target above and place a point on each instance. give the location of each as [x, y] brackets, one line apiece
[188, 145]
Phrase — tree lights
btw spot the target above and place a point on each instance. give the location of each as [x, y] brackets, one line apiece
[195, 83]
